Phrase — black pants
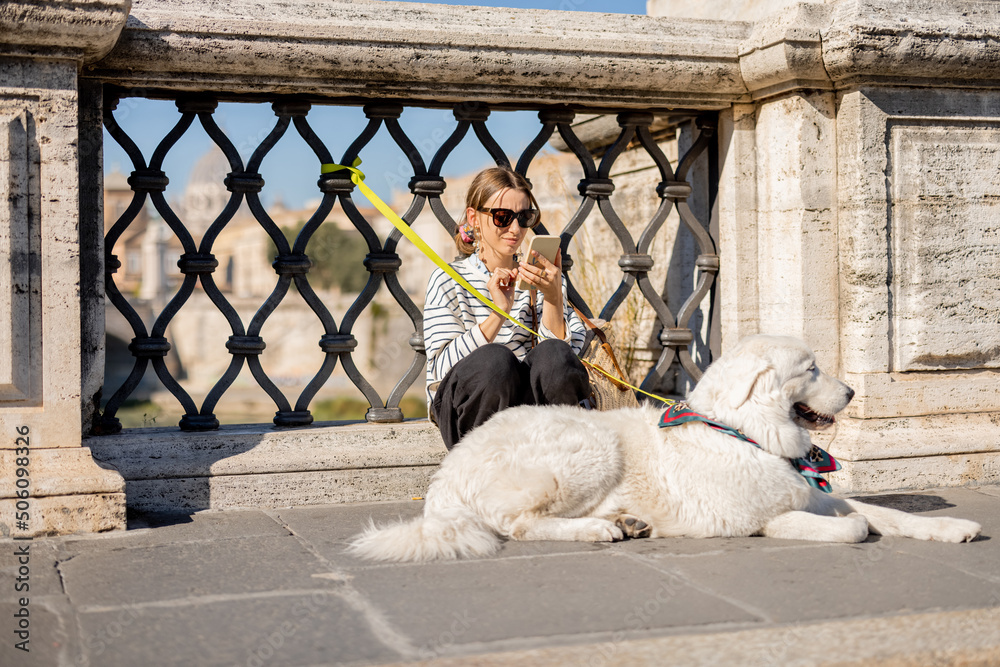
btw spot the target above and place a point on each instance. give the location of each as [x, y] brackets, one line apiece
[491, 379]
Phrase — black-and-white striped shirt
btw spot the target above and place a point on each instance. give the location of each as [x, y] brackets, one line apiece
[452, 316]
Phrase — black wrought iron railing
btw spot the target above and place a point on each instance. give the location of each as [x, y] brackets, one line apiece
[197, 263]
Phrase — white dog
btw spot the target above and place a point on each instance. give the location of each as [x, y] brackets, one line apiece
[564, 473]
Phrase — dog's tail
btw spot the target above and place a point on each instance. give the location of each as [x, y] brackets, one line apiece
[439, 536]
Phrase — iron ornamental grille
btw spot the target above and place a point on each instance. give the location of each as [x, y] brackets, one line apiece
[292, 264]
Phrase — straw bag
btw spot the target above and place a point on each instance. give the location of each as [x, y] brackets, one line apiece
[606, 393]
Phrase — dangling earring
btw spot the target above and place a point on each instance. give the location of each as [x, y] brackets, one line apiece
[468, 235]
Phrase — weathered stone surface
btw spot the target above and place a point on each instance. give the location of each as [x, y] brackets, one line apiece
[61, 515]
[58, 472]
[796, 233]
[241, 587]
[913, 640]
[76, 29]
[904, 437]
[888, 395]
[917, 473]
[254, 466]
[910, 300]
[927, 42]
[427, 51]
[944, 243]
[263, 489]
[726, 10]
[44, 44]
[784, 52]
[845, 565]
[738, 291]
[245, 450]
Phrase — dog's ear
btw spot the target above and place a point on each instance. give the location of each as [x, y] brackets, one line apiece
[742, 373]
[729, 382]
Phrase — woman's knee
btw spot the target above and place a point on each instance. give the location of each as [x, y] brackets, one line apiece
[498, 361]
[553, 353]
[556, 374]
[491, 368]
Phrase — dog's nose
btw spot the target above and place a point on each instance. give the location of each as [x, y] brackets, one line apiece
[850, 394]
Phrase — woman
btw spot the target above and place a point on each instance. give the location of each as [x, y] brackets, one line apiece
[478, 362]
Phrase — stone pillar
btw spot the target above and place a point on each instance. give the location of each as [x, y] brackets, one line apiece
[43, 45]
[784, 171]
[858, 211]
[918, 145]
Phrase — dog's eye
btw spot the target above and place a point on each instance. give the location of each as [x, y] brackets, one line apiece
[812, 368]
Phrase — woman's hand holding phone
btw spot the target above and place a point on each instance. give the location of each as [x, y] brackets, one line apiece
[542, 268]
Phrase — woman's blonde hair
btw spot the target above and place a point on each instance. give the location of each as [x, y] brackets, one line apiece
[483, 188]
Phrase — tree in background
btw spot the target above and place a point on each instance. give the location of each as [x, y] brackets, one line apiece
[337, 256]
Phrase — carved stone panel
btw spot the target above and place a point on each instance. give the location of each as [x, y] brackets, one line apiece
[18, 259]
[944, 244]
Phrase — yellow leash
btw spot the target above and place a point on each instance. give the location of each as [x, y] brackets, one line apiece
[358, 178]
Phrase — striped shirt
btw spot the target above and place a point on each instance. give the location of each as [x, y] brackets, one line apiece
[452, 316]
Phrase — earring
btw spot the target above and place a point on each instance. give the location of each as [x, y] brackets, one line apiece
[468, 235]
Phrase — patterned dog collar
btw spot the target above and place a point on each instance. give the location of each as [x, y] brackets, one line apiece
[811, 466]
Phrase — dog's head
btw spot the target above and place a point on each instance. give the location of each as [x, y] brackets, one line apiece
[770, 388]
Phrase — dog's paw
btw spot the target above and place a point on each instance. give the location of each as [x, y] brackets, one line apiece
[947, 529]
[633, 527]
[857, 528]
[598, 530]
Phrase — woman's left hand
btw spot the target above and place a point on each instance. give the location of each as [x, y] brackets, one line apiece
[545, 276]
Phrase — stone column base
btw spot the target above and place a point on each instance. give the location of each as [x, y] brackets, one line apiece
[915, 452]
[70, 493]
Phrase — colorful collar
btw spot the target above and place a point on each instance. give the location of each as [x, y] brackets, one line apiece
[810, 466]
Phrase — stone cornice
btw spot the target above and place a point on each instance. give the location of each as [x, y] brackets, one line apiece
[427, 52]
[923, 42]
[785, 52]
[841, 45]
[75, 29]
[436, 53]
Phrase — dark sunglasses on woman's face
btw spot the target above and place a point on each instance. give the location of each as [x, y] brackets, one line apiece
[502, 217]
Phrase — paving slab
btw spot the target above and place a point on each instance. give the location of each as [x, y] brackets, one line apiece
[330, 528]
[312, 629]
[42, 577]
[157, 529]
[981, 557]
[190, 569]
[492, 599]
[947, 639]
[836, 582]
[989, 490]
[214, 588]
[48, 638]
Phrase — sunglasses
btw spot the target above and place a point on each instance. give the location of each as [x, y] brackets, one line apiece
[502, 217]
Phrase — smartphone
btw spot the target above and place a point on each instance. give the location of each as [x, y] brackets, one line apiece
[547, 246]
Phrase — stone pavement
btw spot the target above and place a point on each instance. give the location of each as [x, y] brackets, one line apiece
[274, 587]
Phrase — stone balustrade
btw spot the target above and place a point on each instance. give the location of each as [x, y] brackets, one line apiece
[856, 205]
